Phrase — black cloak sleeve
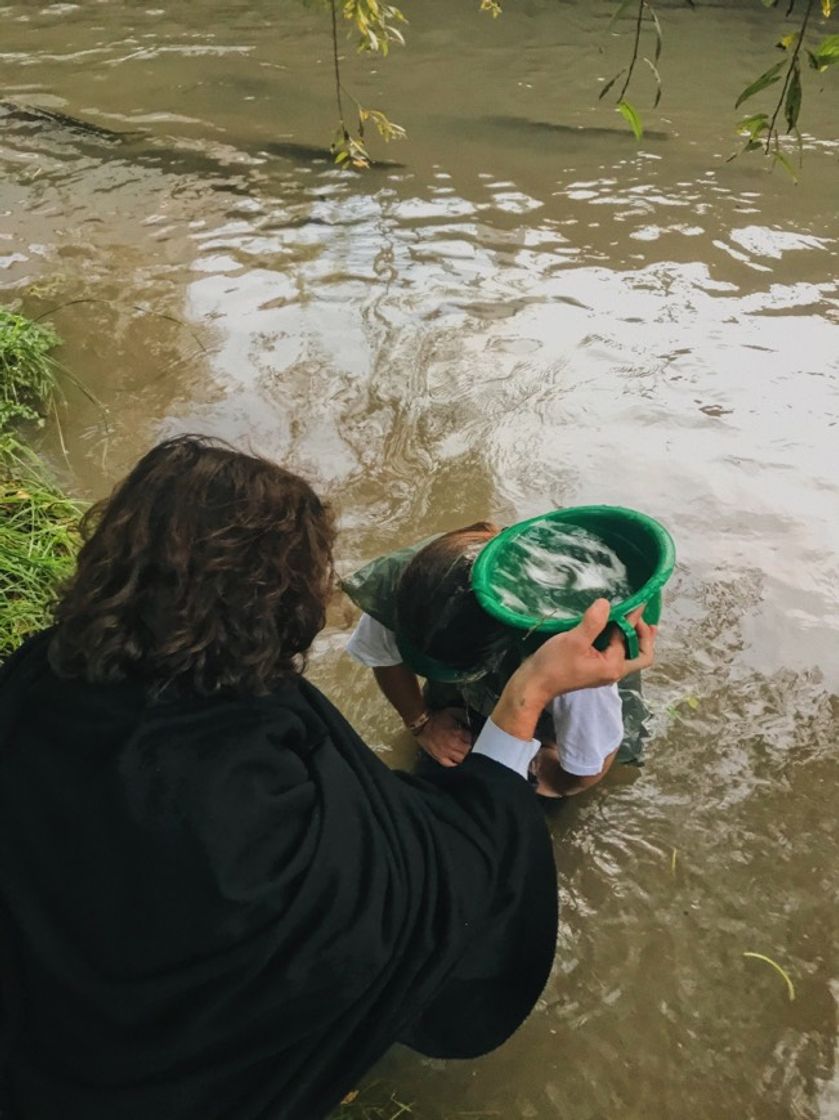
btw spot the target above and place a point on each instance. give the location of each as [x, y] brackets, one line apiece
[228, 910]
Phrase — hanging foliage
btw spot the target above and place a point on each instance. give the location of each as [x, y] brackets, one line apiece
[376, 26]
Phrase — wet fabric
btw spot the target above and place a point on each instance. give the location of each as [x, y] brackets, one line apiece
[230, 908]
[373, 588]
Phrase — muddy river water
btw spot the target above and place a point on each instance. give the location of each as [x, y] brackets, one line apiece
[524, 309]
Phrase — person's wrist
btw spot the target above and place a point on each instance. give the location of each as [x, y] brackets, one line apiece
[417, 725]
[530, 687]
[521, 703]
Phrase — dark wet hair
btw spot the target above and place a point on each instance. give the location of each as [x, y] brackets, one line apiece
[436, 608]
[207, 570]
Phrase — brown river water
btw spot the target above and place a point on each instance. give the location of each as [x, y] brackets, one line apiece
[525, 309]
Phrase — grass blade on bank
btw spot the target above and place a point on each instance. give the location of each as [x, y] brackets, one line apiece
[38, 524]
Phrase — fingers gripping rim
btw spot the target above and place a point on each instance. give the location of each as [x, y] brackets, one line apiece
[630, 637]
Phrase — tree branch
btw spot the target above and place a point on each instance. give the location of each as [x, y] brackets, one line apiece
[337, 65]
[793, 62]
[639, 20]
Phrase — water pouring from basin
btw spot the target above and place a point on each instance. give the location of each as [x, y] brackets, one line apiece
[540, 575]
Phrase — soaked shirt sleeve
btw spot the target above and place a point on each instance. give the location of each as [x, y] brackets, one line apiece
[373, 644]
[588, 726]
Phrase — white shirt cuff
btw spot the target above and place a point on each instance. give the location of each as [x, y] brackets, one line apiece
[515, 754]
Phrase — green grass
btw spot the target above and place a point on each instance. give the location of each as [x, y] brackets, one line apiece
[38, 534]
[28, 373]
[38, 546]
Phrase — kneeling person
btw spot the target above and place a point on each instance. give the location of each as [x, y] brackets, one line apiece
[420, 613]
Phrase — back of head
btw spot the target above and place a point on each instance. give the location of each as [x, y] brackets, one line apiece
[206, 570]
[436, 609]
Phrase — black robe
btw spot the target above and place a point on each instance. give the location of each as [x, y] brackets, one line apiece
[228, 909]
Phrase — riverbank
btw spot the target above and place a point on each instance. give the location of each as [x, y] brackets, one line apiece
[38, 523]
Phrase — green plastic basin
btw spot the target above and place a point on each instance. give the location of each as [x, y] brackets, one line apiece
[641, 542]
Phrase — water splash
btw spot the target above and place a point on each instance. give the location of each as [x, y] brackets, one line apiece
[559, 570]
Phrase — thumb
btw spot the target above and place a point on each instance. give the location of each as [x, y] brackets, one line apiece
[594, 620]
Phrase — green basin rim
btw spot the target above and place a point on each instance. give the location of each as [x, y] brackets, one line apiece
[483, 568]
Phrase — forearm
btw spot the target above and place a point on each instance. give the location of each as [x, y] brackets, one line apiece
[520, 704]
[401, 689]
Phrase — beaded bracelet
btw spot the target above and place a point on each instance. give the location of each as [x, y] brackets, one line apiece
[416, 725]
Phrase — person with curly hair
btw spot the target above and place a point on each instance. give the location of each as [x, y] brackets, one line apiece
[216, 903]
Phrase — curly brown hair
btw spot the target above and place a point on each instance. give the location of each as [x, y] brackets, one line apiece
[207, 570]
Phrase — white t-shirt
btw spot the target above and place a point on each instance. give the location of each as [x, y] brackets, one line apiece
[373, 644]
[588, 724]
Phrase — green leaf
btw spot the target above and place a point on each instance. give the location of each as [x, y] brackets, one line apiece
[768, 78]
[630, 115]
[829, 47]
[827, 8]
[821, 62]
[610, 83]
[753, 125]
[779, 157]
[826, 53]
[792, 105]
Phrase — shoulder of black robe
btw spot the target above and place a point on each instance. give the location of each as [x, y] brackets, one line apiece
[228, 909]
